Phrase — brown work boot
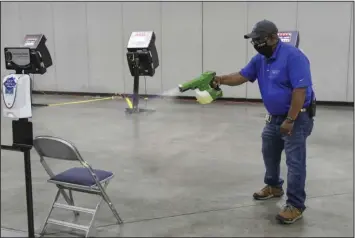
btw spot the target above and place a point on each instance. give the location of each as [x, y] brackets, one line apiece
[268, 192]
[289, 214]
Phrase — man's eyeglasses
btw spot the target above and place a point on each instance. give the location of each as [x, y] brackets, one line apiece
[259, 41]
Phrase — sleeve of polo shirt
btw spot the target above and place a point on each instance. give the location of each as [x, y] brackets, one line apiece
[250, 71]
[299, 71]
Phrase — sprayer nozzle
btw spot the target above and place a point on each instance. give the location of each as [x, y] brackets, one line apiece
[181, 89]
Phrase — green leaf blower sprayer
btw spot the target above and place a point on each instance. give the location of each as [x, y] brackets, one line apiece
[205, 92]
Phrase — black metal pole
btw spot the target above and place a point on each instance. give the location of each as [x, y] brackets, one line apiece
[25, 148]
[136, 84]
[28, 180]
[29, 198]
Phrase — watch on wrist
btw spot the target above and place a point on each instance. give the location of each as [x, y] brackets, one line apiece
[290, 119]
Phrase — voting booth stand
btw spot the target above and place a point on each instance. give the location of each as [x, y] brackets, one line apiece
[40, 58]
[142, 57]
[31, 58]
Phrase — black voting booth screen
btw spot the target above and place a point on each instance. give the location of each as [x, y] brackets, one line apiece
[33, 48]
[146, 58]
[38, 43]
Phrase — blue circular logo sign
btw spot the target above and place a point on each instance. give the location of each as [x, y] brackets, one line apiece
[10, 84]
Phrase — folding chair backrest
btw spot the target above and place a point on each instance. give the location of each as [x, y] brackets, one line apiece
[56, 148]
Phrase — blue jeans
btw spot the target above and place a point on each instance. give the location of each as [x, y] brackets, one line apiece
[273, 143]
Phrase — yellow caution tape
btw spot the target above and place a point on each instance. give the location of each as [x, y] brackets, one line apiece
[130, 105]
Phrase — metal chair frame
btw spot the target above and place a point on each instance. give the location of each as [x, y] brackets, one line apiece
[99, 188]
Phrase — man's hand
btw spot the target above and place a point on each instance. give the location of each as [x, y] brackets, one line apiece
[286, 127]
[217, 81]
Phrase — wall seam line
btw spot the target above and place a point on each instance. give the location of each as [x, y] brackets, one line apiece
[161, 48]
[202, 32]
[54, 48]
[246, 44]
[348, 64]
[123, 47]
[297, 15]
[1, 43]
[87, 45]
[20, 16]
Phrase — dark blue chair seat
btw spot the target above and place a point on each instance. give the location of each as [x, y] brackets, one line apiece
[81, 176]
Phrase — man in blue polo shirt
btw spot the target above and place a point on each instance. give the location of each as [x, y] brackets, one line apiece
[285, 83]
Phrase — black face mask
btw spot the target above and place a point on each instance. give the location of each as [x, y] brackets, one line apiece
[264, 49]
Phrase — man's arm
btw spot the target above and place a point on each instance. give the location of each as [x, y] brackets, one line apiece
[234, 79]
[297, 102]
[300, 77]
[248, 73]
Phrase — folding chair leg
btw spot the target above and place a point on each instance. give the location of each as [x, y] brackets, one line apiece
[109, 203]
[104, 197]
[49, 214]
[68, 199]
[93, 217]
[113, 209]
[76, 214]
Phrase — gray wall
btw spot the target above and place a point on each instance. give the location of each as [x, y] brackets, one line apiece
[87, 41]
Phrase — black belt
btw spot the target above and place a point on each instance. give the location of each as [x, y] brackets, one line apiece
[269, 117]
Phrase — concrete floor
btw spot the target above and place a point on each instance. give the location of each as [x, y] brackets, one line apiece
[12, 233]
[186, 170]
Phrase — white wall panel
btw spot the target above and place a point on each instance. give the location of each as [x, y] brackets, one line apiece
[70, 30]
[350, 95]
[283, 14]
[2, 62]
[327, 51]
[105, 40]
[11, 32]
[142, 16]
[41, 24]
[224, 48]
[181, 43]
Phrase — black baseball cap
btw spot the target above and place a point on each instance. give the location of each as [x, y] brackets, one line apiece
[261, 29]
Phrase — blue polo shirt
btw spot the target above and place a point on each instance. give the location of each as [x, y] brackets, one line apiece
[287, 69]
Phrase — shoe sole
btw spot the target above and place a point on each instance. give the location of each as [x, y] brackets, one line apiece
[287, 222]
[267, 197]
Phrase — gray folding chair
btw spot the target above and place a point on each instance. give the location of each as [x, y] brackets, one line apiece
[81, 179]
